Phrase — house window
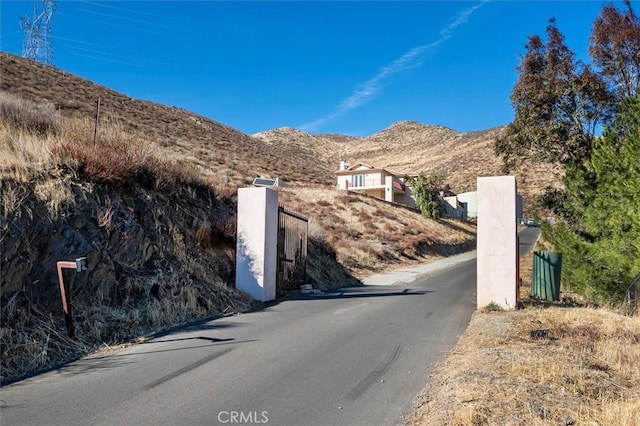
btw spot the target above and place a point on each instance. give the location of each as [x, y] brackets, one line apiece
[357, 180]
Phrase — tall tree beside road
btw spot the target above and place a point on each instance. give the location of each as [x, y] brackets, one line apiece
[602, 243]
[559, 104]
[615, 49]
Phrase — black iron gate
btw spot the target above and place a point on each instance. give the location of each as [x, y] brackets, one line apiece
[292, 250]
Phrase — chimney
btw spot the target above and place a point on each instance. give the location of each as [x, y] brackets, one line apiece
[344, 165]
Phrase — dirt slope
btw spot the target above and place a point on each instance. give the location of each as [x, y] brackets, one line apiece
[413, 147]
[221, 151]
[152, 207]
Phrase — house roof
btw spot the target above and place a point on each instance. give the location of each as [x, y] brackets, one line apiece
[355, 166]
[369, 168]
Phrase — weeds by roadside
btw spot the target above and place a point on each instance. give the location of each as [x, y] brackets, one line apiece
[552, 363]
[582, 371]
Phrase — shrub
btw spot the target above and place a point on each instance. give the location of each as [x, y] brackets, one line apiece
[492, 307]
[39, 118]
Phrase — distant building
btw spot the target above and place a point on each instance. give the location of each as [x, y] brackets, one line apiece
[376, 182]
[454, 207]
[471, 200]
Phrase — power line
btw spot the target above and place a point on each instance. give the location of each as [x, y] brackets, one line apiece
[81, 42]
[100, 58]
[137, 21]
[155, 15]
[144, 30]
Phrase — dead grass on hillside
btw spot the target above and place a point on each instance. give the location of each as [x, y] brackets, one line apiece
[224, 154]
[369, 235]
[581, 369]
[34, 137]
[39, 151]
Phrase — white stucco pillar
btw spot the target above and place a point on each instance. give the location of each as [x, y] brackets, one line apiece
[388, 187]
[497, 241]
[256, 248]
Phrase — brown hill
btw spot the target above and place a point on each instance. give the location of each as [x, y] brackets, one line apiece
[323, 148]
[226, 154]
[232, 157]
[460, 157]
[413, 147]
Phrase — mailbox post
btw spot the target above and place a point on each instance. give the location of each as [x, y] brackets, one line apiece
[79, 265]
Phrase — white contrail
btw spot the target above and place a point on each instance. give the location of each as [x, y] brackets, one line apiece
[365, 91]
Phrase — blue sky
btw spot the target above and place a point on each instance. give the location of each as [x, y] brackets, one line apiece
[347, 67]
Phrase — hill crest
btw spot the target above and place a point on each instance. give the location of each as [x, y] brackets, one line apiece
[234, 158]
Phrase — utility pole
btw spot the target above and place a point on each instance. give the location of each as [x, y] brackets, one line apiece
[95, 129]
[37, 44]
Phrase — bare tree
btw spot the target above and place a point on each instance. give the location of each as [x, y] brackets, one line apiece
[615, 49]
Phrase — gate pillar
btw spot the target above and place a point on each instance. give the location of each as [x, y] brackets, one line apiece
[497, 231]
[256, 246]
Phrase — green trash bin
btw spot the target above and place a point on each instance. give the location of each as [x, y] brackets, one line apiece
[547, 269]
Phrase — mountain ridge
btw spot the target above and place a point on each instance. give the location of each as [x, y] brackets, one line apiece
[234, 158]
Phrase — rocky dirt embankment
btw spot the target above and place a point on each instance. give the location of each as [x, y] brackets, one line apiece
[156, 257]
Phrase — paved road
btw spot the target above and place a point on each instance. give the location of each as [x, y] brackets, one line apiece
[528, 238]
[357, 357]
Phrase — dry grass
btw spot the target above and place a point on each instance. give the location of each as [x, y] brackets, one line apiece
[368, 235]
[119, 156]
[416, 147]
[585, 372]
[13, 198]
[578, 367]
[32, 339]
[221, 153]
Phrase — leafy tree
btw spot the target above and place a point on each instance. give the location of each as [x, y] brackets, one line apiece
[601, 245]
[615, 49]
[426, 191]
[559, 103]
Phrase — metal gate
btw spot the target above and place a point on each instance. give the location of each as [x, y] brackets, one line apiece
[292, 250]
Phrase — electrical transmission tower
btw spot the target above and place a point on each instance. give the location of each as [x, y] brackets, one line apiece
[37, 44]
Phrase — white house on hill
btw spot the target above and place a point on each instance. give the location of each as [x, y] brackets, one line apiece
[376, 182]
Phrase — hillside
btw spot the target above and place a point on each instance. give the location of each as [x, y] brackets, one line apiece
[414, 147]
[220, 151]
[157, 232]
[231, 157]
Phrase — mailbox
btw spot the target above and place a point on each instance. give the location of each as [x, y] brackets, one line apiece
[81, 264]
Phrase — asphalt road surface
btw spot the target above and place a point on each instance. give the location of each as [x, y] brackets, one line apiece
[354, 357]
[357, 357]
[528, 238]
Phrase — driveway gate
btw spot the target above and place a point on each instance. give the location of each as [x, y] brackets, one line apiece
[292, 250]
